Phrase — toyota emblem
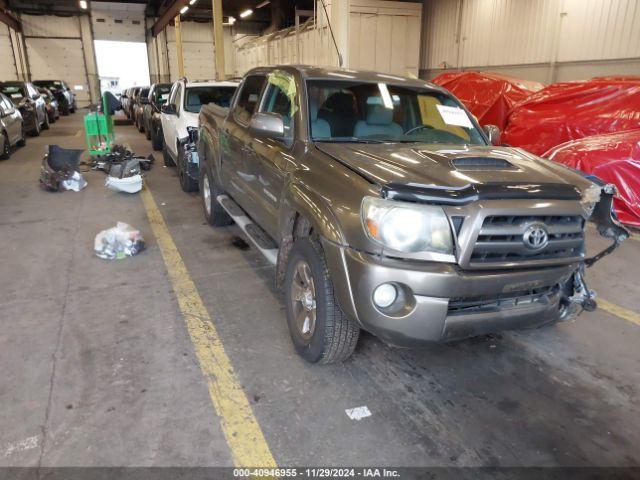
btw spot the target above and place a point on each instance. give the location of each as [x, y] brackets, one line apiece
[535, 237]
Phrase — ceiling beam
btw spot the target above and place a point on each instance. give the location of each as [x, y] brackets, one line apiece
[169, 14]
[10, 21]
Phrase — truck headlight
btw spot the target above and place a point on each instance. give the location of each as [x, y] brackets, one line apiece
[407, 227]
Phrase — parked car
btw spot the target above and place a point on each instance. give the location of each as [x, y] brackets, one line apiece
[158, 95]
[385, 207]
[11, 128]
[51, 104]
[65, 96]
[181, 111]
[124, 99]
[31, 105]
[138, 109]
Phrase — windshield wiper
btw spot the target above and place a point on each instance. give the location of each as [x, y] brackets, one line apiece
[350, 140]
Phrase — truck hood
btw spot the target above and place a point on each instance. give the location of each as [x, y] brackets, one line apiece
[450, 166]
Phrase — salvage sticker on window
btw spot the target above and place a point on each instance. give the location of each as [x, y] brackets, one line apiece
[454, 116]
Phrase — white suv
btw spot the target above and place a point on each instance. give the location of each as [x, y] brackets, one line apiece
[181, 111]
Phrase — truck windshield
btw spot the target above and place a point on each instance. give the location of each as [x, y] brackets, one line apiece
[198, 96]
[161, 93]
[352, 111]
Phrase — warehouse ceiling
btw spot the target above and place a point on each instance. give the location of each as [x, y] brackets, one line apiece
[264, 13]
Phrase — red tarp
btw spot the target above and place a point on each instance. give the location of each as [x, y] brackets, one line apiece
[488, 96]
[571, 110]
[614, 158]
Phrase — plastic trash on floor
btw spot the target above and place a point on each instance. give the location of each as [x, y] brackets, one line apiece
[75, 183]
[128, 184]
[59, 169]
[118, 242]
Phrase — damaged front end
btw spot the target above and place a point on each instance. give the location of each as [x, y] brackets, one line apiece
[598, 205]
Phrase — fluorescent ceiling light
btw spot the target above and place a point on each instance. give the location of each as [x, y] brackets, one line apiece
[386, 98]
[83, 4]
[184, 9]
[263, 4]
[232, 20]
[192, 2]
[246, 13]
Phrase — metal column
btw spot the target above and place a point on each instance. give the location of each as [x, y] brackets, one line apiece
[218, 40]
[179, 47]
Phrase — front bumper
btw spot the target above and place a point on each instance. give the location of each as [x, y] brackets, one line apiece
[29, 119]
[432, 288]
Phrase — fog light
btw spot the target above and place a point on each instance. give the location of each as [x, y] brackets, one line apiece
[385, 295]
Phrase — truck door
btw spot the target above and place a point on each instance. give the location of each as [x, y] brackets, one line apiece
[169, 122]
[273, 156]
[238, 162]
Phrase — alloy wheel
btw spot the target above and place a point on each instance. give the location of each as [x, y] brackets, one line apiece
[303, 299]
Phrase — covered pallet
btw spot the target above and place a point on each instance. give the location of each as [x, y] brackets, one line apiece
[489, 96]
[572, 110]
[614, 158]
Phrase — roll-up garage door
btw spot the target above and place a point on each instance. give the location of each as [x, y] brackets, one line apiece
[197, 51]
[54, 50]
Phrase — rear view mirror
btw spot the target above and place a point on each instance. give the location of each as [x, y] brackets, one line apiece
[269, 125]
[169, 110]
[493, 133]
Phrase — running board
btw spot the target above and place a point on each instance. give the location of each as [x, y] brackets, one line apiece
[257, 236]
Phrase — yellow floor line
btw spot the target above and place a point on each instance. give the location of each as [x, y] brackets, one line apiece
[619, 311]
[241, 429]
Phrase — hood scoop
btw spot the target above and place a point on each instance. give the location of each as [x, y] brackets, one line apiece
[481, 163]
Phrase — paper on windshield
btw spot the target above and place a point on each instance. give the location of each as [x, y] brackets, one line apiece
[454, 116]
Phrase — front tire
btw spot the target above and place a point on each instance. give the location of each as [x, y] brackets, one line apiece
[213, 211]
[147, 130]
[45, 125]
[36, 129]
[23, 141]
[321, 332]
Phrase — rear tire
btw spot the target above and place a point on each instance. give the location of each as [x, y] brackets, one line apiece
[213, 211]
[168, 161]
[321, 332]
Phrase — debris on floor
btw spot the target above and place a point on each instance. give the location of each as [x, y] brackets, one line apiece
[59, 169]
[124, 169]
[118, 242]
[358, 413]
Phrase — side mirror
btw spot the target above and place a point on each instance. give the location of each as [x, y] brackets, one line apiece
[493, 133]
[269, 125]
[169, 109]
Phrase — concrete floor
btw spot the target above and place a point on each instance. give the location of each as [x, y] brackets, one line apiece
[97, 368]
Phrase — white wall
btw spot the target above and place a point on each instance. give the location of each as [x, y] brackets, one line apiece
[8, 64]
[545, 40]
[198, 51]
[380, 35]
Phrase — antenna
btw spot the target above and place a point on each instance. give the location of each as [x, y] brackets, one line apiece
[331, 30]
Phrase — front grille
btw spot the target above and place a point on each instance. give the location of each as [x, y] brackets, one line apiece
[466, 305]
[501, 239]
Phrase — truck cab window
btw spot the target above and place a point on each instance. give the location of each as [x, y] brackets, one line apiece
[248, 99]
[276, 101]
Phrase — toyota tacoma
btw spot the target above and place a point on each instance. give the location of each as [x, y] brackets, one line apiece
[384, 206]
